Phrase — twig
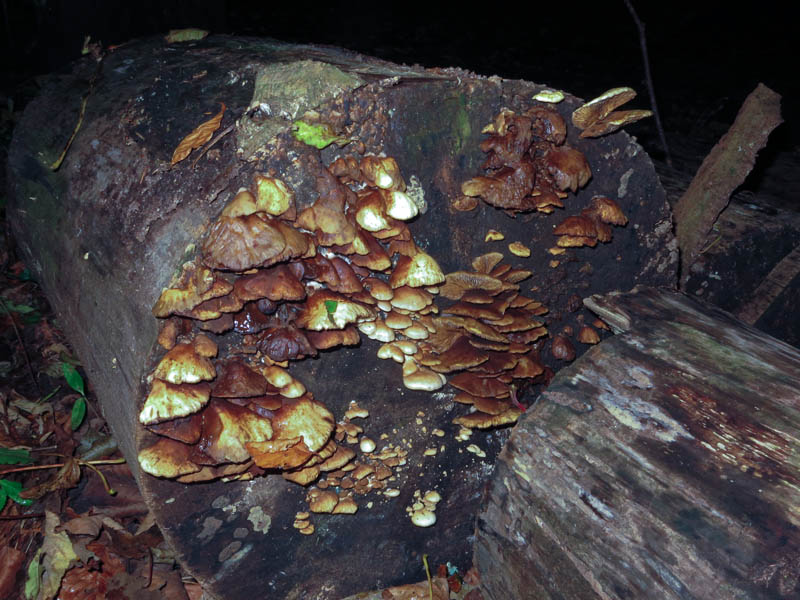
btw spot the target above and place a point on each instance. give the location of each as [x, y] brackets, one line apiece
[650, 88]
[20, 517]
[428, 573]
[208, 147]
[88, 463]
[22, 346]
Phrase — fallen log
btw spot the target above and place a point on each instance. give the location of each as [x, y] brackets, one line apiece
[662, 464]
[125, 215]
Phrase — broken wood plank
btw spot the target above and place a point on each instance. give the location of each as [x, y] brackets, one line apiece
[722, 171]
[664, 463]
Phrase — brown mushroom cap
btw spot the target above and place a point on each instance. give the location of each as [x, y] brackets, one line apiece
[562, 348]
[576, 226]
[227, 428]
[568, 167]
[327, 310]
[195, 285]
[306, 418]
[480, 386]
[283, 453]
[237, 380]
[243, 203]
[588, 335]
[417, 271]
[607, 210]
[167, 401]
[167, 458]
[323, 340]
[273, 195]
[183, 365]
[277, 283]
[614, 121]
[600, 107]
[241, 243]
[182, 429]
[482, 420]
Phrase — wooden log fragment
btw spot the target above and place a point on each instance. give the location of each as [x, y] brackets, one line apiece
[664, 463]
[108, 231]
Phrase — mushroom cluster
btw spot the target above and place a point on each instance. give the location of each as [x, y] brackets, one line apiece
[288, 283]
[592, 225]
[486, 339]
[600, 117]
[529, 165]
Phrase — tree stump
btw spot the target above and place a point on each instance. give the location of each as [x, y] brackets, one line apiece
[107, 232]
[662, 464]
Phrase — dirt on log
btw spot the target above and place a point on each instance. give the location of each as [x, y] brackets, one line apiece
[109, 230]
[662, 464]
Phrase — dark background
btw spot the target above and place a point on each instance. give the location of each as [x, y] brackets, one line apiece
[705, 56]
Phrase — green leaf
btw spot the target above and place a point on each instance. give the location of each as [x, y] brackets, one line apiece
[319, 136]
[11, 489]
[15, 457]
[32, 583]
[185, 35]
[330, 306]
[74, 379]
[78, 413]
[22, 309]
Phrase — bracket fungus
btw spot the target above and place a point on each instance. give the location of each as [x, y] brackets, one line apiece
[529, 165]
[281, 285]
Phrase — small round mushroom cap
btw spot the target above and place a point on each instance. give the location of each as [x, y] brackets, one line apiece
[418, 271]
[378, 289]
[588, 335]
[243, 203]
[377, 330]
[424, 379]
[323, 501]
[345, 506]
[423, 518]
[273, 195]
[183, 365]
[167, 458]
[607, 210]
[399, 206]
[410, 298]
[562, 348]
[328, 310]
[204, 346]
[304, 417]
[371, 212]
[382, 172]
[519, 249]
[168, 401]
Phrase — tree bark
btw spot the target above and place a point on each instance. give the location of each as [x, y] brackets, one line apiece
[662, 464]
[107, 231]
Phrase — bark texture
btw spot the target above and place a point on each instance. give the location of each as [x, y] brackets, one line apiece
[107, 231]
[662, 464]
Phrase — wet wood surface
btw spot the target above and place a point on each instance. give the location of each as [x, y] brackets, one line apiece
[662, 464]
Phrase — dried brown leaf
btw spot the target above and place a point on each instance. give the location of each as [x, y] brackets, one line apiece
[201, 134]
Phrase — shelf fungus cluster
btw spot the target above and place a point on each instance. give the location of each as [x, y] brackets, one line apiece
[485, 339]
[529, 165]
[273, 283]
[591, 226]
